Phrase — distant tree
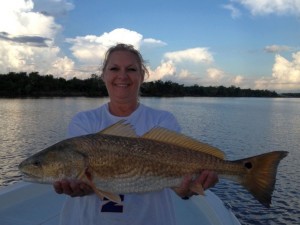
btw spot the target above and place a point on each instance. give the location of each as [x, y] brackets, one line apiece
[35, 85]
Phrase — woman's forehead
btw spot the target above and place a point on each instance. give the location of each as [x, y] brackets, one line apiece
[118, 57]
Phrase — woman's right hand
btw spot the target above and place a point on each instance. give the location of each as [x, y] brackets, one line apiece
[73, 188]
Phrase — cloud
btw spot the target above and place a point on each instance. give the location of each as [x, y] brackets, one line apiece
[238, 80]
[172, 66]
[91, 48]
[151, 42]
[218, 77]
[53, 7]
[265, 7]
[196, 55]
[170, 69]
[235, 12]
[28, 32]
[215, 74]
[285, 75]
[18, 18]
[277, 48]
[27, 40]
[164, 70]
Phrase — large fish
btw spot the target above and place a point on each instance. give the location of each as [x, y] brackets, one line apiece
[117, 161]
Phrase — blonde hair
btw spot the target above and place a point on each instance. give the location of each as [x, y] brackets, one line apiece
[129, 48]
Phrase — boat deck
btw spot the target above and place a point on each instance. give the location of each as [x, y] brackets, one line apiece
[37, 204]
[25, 204]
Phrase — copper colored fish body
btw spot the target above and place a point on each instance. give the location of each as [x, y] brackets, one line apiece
[116, 161]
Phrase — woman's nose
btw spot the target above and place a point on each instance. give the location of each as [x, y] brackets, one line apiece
[123, 73]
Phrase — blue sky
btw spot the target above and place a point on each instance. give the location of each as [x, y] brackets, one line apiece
[247, 43]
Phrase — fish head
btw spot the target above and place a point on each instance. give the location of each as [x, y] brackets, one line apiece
[57, 162]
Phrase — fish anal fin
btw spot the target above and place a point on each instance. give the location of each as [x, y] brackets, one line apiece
[110, 196]
[120, 128]
[171, 137]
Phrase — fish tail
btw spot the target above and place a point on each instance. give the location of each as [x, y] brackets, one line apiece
[260, 175]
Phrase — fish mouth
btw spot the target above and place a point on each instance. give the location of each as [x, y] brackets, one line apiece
[29, 177]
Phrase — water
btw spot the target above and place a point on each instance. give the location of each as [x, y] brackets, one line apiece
[239, 126]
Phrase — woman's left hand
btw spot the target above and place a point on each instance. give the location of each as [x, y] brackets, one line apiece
[190, 187]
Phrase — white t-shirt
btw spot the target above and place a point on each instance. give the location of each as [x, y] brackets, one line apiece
[154, 208]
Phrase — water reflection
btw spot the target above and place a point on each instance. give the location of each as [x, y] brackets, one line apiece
[243, 127]
[239, 126]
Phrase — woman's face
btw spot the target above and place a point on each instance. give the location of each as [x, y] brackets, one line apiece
[123, 76]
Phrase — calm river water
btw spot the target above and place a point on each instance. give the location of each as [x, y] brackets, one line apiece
[241, 127]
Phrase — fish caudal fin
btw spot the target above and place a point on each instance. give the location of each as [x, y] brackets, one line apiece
[261, 175]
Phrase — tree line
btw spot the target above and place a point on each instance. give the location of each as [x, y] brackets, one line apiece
[33, 84]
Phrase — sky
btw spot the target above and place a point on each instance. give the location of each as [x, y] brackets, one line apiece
[246, 43]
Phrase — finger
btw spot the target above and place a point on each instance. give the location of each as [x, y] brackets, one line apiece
[58, 187]
[86, 188]
[208, 179]
[185, 184]
[80, 188]
[212, 180]
[66, 186]
[183, 190]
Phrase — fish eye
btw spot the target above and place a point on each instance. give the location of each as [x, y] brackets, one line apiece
[248, 165]
[37, 163]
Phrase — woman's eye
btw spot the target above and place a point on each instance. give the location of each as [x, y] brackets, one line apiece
[132, 69]
[113, 69]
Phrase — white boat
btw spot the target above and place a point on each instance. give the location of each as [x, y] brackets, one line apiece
[37, 204]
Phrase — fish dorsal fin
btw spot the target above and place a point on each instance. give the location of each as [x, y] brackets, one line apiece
[121, 128]
[171, 137]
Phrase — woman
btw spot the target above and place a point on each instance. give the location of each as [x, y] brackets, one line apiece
[123, 72]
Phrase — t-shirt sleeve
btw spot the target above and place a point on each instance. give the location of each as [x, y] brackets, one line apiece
[169, 121]
[77, 126]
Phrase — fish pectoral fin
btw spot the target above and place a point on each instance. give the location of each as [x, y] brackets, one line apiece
[81, 175]
[100, 193]
[197, 188]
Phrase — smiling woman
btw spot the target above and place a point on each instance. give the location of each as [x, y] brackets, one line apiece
[123, 73]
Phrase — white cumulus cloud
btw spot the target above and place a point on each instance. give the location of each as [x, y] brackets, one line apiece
[172, 66]
[218, 77]
[89, 50]
[238, 80]
[27, 40]
[215, 74]
[285, 75]
[165, 69]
